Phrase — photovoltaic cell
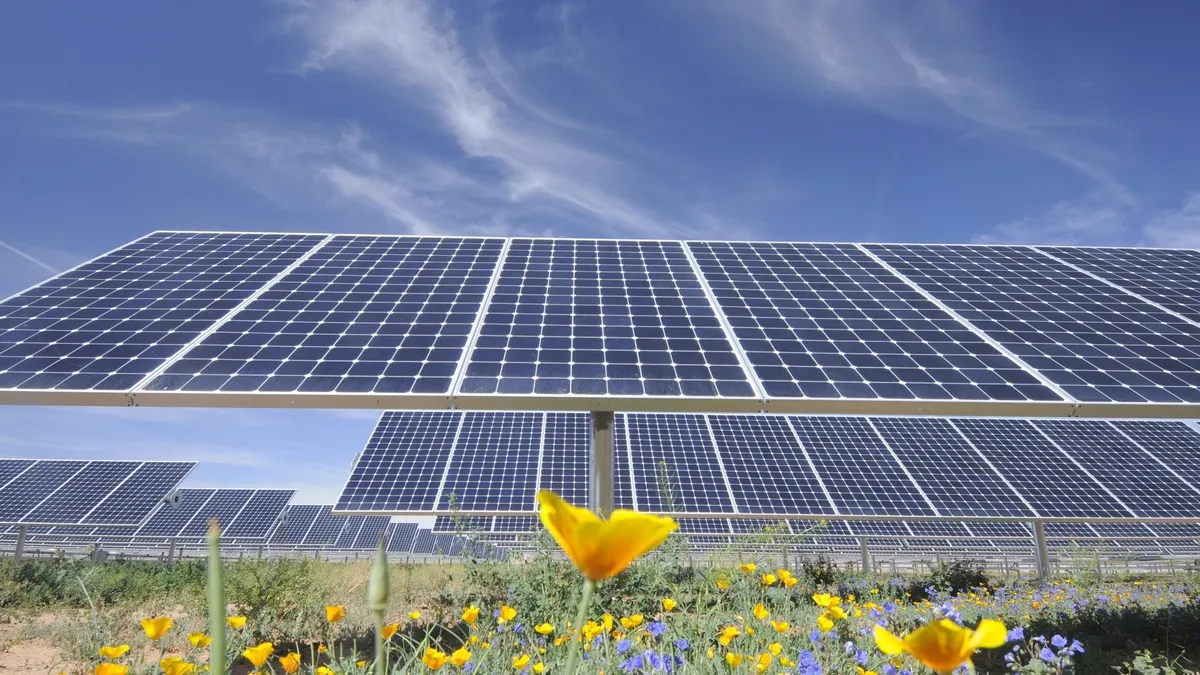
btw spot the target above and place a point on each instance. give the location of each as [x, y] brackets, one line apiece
[743, 526]
[622, 480]
[423, 542]
[403, 463]
[566, 456]
[1168, 277]
[985, 529]
[26, 491]
[861, 475]
[1167, 530]
[601, 318]
[949, 472]
[516, 524]
[767, 469]
[107, 324]
[495, 463]
[922, 528]
[1070, 531]
[401, 539]
[297, 521]
[453, 524]
[368, 535]
[224, 505]
[378, 314]
[345, 539]
[1096, 342]
[257, 520]
[874, 528]
[703, 526]
[1141, 484]
[11, 468]
[827, 321]
[1047, 480]
[1122, 530]
[1176, 444]
[133, 501]
[82, 492]
[674, 465]
[169, 520]
[325, 529]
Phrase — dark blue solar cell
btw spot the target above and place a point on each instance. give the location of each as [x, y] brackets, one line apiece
[110, 322]
[1050, 483]
[949, 472]
[298, 519]
[224, 506]
[1168, 277]
[169, 520]
[83, 492]
[854, 464]
[402, 536]
[257, 520]
[495, 463]
[601, 318]
[368, 535]
[423, 542]
[770, 531]
[457, 524]
[25, 492]
[622, 479]
[703, 526]
[566, 456]
[1130, 474]
[876, 528]
[403, 463]
[827, 321]
[346, 538]
[363, 314]
[922, 528]
[1094, 341]
[674, 465]
[517, 524]
[133, 501]
[11, 468]
[766, 467]
[1175, 444]
[325, 529]
[1070, 531]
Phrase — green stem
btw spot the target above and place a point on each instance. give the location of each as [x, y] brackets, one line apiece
[580, 618]
[380, 656]
[216, 602]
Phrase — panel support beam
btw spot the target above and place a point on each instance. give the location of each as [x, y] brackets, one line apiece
[1041, 553]
[866, 554]
[602, 493]
[22, 531]
[171, 552]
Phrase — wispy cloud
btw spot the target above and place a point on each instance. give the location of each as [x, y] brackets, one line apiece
[1102, 221]
[29, 257]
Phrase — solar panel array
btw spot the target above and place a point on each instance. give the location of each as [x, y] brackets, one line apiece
[85, 492]
[441, 322]
[242, 514]
[799, 466]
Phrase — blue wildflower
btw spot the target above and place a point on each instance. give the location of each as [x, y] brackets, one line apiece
[889, 606]
[815, 636]
[1058, 641]
[1016, 634]
[1076, 647]
[633, 664]
[656, 661]
[849, 647]
[656, 628]
[518, 628]
[682, 645]
[1047, 654]
[860, 657]
[623, 646]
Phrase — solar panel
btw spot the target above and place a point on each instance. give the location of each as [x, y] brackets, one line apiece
[1049, 482]
[298, 519]
[81, 493]
[1123, 530]
[107, 324]
[1168, 277]
[1140, 483]
[170, 519]
[100, 492]
[260, 516]
[495, 463]
[403, 464]
[346, 538]
[862, 477]
[995, 530]
[1175, 444]
[601, 318]
[1070, 531]
[517, 524]
[622, 479]
[743, 526]
[363, 314]
[827, 321]
[402, 536]
[1096, 342]
[11, 468]
[134, 499]
[325, 529]
[25, 492]
[767, 469]
[368, 535]
[949, 472]
[453, 524]
[875, 528]
[703, 526]
[566, 456]
[1167, 530]
[674, 466]
[224, 505]
[924, 528]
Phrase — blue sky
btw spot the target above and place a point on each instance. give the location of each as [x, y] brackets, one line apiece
[1067, 122]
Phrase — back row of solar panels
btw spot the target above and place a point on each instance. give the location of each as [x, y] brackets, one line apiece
[729, 326]
[85, 492]
[481, 462]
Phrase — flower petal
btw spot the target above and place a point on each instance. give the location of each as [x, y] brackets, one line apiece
[888, 642]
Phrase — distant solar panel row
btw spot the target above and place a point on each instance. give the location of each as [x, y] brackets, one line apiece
[729, 326]
[788, 465]
[242, 514]
[85, 492]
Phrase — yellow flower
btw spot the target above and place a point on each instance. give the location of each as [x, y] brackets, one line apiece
[519, 662]
[861, 671]
[361, 664]
[173, 665]
[748, 568]
[769, 579]
[539, 667]
[727, 635]
[290, 663]
[788, 581]
[434, 659]
[749, 630]
[321, 648]
[786, 662]
[470, 614]
[485, 645]
[335, 613]
[389, 630]
[836, 612]
[607, 620]
[235, 622]
[324, 670]
[825, 623]
[826, 600]
[259, 654]
[762, 662]
[943, 645]
[474, 639]
[722, 584]
[591, 629]
[561, 639]
[761, 612]
[114, 652]
[506, 614]
[710, 653]
[784, 574]
[632, 621]
[414, 615]
[669, 604]
[775, 648]
[781, 626]
[460, 657]
[157, 627]
[199, 640]
[734, 660]
[601, 548]
[544, 629]
[111, 669]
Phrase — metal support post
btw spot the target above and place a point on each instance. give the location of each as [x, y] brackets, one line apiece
[171, 552]
[22, 530]
[866, 554]
[602, 499]
[1040, 552]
